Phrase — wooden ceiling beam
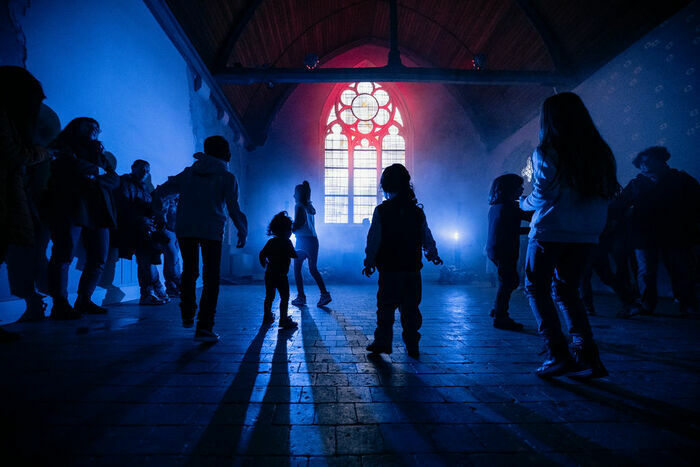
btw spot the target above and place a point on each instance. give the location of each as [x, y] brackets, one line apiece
[224, 53]
[551, 42]
[390, 74]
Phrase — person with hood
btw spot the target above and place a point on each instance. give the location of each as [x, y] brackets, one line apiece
[207, 190]
[663, 209]
[20, 100]
[307, 245]
[81, 206]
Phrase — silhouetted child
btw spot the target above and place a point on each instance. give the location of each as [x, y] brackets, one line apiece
[396, 236]
[503, 244]
[276, 256]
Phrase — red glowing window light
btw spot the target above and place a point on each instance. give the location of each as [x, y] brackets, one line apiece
[364, 133]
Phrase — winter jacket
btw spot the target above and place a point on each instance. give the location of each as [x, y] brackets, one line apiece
[504, 230]
[207, 190]
[561, 213]
[664, 211]
[398, 233]
[134, 206]
[79, 194]
[16, 223]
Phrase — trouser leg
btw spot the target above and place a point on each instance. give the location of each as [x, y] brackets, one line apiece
[411, 318]
[539, 273]
[570, 264]
[189, 247]
[388, 299]
[96, 242]
[679, 262]
[145, 271]
[647, 274]
[211, 272]
[283, 289]
[270, 287]
[298, 277]
[508, 281]
[172, 267]
[64, 237]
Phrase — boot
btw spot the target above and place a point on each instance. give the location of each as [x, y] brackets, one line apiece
[374, 347]
[559, 360]
[587, 361]
[62, 311]
[36, 308]
[507, 323]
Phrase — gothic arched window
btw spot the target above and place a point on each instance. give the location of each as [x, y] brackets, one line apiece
[364, 133]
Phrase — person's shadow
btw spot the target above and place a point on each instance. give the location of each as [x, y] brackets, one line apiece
[222, 436]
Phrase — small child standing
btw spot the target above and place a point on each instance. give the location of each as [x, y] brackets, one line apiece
[276, 257]
[398, 233]
[503, 244]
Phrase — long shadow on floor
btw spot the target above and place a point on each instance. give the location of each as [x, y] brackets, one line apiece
[411, 394]
[222, 437]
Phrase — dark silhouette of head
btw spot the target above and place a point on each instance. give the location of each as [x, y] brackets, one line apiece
[652, 160]
[280, 225]
[217, 146]
[505, 188]
[80, 137]
[584, 160]
[140, 170]
[396, 183]
[302, 192]
[20, 98]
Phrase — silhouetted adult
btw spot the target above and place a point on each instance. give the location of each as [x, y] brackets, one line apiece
[304, 229]
[573, 179]
[663, 208]
[136, 231]
[27, 265]
[20, 100]
[207, 190]
[81, 207]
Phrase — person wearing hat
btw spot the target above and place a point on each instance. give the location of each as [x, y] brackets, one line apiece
[663, 208]
[207, 192]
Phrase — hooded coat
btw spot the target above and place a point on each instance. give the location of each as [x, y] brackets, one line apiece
[207, 191]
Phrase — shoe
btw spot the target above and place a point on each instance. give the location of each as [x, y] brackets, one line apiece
[376, 348]
[559, 362]
[35, 312]
[187, 316]
[173, 293]
[268, 318]
[62, 311]
[287, 323]
[205, 335]
[413, 351]
[507, 324]
[151, 299]
[88, 307]
[587, 361]
[492, 313]
[325, 299]
[628, 311]
[162, 295]
[8, 336]
[299, 301]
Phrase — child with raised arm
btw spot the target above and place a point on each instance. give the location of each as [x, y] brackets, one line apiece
[503, 244]
[275, 257]
[398, 233]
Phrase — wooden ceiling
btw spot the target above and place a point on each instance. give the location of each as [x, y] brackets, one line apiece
[571, 36]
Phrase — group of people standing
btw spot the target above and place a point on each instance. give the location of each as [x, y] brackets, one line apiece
[580, 218]
[66, 188]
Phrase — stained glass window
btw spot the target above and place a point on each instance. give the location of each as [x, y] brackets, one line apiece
[364, 135]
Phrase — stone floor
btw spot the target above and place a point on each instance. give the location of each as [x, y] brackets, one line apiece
[133, 388]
